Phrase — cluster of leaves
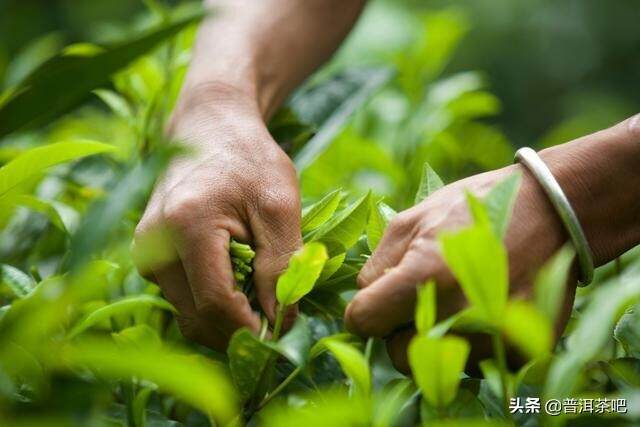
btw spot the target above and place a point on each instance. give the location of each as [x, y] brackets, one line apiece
[85, 340]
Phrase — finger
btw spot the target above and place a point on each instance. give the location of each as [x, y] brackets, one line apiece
[276, 231]
[389, 252]
[204, 252]
[389, 302]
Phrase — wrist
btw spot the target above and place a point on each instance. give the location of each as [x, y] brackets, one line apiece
[600, 176]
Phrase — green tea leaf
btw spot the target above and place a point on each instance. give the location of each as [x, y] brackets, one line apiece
[627, 332]
[528, 329]
[54, 88]
[115, 102]
[426, 307]
[18, 282]
[390, 404]
[192, 379]
[478, 260]
[353, 363]
[124, 306]
[140, 336]
[437, 365]
[248, 357]
[429, 184]
[347, 226]
[296, 344]
[320, 346]
[301, 274]
[379, 217]
[499, 202]
[319, 213]
[329, 104]
[61, 216]
[551, 283]
[36, 160]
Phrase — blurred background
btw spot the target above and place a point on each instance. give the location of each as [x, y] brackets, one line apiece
[560, 68]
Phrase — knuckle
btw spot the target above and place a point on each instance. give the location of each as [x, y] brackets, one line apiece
[180, 211]
[188, 327]
[400, 224]
[279, 204]
[634, 126]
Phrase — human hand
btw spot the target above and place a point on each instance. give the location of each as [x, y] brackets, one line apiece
[236, 182]
[598, 174]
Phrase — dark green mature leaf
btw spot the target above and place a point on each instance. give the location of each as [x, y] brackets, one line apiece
[20, 283]
[346, 227]
[319, 213]
[36, 160]
[192, 379]
[436, 365]
[478, 260]
[248, 357]
[429, 183]
[329, 104]
[296, 343]
[126, 305]
[64, 81]
[551, 283]
[304, 269]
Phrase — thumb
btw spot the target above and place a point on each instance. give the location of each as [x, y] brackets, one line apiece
[276, 237]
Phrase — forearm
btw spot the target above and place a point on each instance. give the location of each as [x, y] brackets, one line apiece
[262, 50]
[600, 175]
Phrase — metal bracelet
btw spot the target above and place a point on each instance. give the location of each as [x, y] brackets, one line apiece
[543, 175]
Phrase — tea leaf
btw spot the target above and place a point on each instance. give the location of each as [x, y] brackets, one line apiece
[140, 336]
[478, 260]
[347, 226]
[627, 332]
[528, 329]
[329, 104]
[296, 344]
[353, 363]
[126, 305]
[61, 216]
[379, 218]
[429, 184]
[18, 282]
[115, 102]
[437, 365]
[551, 283]
[319, 213]
[36, 160]
[248, 357]
[54, 88]
[426, 307]
[301, 274]
[499, 202]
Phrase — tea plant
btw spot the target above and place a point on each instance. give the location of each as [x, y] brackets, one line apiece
[85, 340]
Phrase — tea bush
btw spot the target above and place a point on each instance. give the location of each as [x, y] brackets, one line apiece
[85, 340]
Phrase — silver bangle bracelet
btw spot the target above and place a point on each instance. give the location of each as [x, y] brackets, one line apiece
[543, 175]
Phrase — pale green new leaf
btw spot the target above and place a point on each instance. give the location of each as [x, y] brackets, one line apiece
[304, 269]
[551, 283]
[139, 336]
[16, 280]
[528, 329]
[429, 184]
[319, 213]
[426, 307]
[116, 102]
[347, 226]
[353, 363]
[478, 260]
[36, 160]
[379, 218]
[127, 305]
[499, 202]
[437, 365]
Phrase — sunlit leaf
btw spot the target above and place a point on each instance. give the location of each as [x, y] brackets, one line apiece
[426, 307]
[528, 329]
[346, 226]
[430, 182]
[551, 283]
[353, 363]
[16, 280]
[319, 213]
[379, 217]
[437, 365]
[499, 202]
[301, 274]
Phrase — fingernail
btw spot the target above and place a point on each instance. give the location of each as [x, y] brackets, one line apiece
[634, 125]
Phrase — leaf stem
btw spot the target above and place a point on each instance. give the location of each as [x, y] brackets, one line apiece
[499, 352]
[277, 327]
[280, 387]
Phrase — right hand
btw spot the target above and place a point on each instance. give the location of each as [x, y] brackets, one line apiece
[238, 183]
